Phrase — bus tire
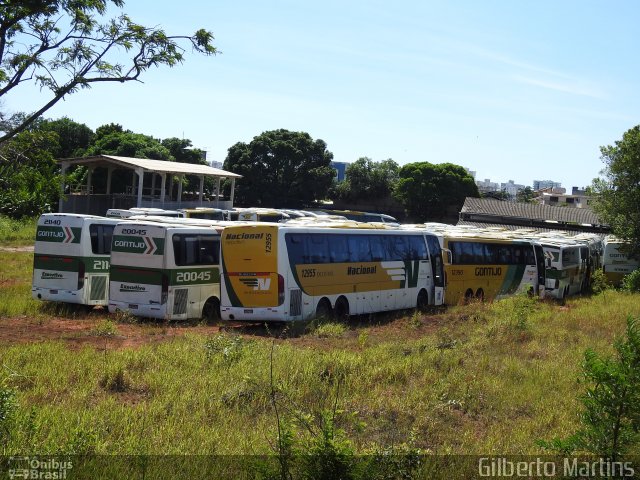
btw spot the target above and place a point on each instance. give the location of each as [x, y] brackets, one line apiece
[211, 310]
[422, 303]
[480, 295]
[342, 309]
[323, 310]
[468, 295]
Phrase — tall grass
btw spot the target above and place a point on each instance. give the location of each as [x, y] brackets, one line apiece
[15, 284]
[17, 232]
[487, 379]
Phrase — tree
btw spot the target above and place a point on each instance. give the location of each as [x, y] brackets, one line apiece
[430, 192]
[617, 195]
[73, 137]
[29, 182]
[129, 144]
[525, 195]
[61, 46]
[281, 168]
[368, 180]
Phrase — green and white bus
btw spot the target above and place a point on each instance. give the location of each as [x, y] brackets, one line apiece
[165, 271]
[616, 260]
[285, 272]
[71, 258]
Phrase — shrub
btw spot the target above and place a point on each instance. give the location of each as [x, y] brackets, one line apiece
[631, 282]
[599, 282]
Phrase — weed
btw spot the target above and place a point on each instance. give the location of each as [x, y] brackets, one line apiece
[115, 381]
[121, 316]
[106, 328]
[227, 347]
[599, 282]
[631, 282]
[415, 321]
[362, 339]
[330, 330]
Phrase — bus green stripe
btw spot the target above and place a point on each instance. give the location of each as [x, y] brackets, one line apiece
[233, 296]
[146, 276]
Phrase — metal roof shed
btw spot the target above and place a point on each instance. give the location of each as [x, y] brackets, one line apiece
[142, 166]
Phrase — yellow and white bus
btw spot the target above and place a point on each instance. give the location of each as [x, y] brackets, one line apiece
[490, 265]
[616, 261]
[165, 271]
[204, 213]
[71, 258]
[282, 272]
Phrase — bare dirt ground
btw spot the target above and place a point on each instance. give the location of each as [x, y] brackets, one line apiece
[100, 330]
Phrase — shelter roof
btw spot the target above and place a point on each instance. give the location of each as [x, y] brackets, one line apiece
[149, 165]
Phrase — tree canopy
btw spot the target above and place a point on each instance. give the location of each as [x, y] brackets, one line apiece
[62, 46]
[429, 192]
[617, 192]
[368, 180]
[281, 168]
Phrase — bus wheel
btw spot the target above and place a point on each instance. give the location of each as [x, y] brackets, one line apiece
[323, 310]
[422, 303]
[468, 295]
[211, 310]
[342, 309]
[480, 295]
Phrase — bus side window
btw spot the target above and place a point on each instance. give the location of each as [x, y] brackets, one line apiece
[418, 248]
[377, 248]
[364, 248]
[209, 250]
[338, 248]
[296, 247]
[319, 248]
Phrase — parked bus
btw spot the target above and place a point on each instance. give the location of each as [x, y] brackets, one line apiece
[488, 266]
[120, 213]
[363, 216]
[204, 213]
[282, 272]
[566, 266]
[165, 271]
[71, 258]
[616, 261]
[257, 215]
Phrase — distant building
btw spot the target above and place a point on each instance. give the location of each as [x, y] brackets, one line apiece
[543, 184]
[511, 188]
[486, 185]
[471, 172]
[215, 164]
[341, 170]
[577, 199]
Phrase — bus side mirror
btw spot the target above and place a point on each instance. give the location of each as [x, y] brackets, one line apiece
[446, 256]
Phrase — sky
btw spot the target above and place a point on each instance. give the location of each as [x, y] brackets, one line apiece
[511, 90]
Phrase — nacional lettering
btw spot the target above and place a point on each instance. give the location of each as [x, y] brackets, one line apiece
[361, 270]
[244, 236]
[488, 271]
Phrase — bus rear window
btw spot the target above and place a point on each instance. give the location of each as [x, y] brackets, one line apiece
[101, 238]
[196, 249]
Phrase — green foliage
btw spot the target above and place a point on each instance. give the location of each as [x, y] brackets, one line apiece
[281, 168]
[429, 191]
[73, 137]
[17, 232]
[106, 328]
[129, 144]
[616, 194]
[8, 406]
[525, 195]
[29, 181]
[631, 282]
[368, 180]
[610, 416]
[330, 330]
[598, 282]
[62, 47]
[226, 347]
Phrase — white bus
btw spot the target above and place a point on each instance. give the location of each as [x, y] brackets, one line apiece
[616, 261]
[120, 213]
[71, 258]
[165, 271]
[282, 272]
[566, 266]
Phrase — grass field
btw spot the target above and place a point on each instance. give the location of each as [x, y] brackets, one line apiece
[477, 379]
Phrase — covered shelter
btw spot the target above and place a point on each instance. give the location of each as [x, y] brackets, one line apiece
[125, 182]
